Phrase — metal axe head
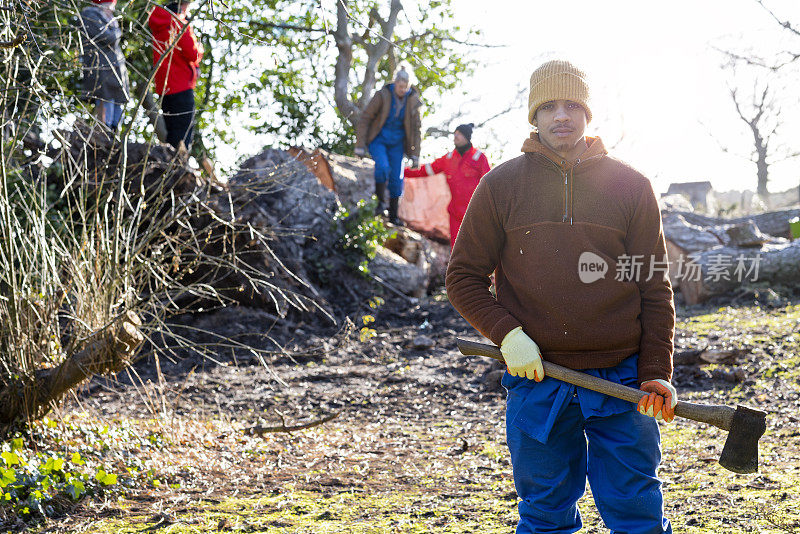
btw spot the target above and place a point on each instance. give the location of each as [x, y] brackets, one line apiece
[740, 453]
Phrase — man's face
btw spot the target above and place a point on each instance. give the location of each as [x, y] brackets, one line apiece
[459, 139]
[561, 125]
[183, 7]
[400, 87]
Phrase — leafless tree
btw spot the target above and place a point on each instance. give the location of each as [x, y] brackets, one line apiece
[761, 109]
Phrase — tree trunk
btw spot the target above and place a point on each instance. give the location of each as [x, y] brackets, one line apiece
[341, 83]
[762, 167]
[746, 234]
[376, 52]
[109, 350]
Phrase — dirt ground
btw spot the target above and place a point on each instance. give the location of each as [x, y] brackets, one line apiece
[418, 444]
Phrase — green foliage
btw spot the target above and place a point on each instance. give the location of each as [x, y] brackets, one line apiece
[362, 233]
[35, 484]
[271, 63]
[268, 65]
[58, 464]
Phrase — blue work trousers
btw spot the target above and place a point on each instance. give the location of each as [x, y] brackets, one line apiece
[619, 454]
[388, 159]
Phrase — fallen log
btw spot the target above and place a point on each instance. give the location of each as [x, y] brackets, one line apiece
[773, 223]
[108, 351]
[746, 234]
[684, 239]
[723, 269]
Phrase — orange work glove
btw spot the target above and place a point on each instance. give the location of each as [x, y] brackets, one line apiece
[661, 401]
[522, 355]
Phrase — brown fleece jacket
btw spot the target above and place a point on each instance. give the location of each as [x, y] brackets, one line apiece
[529, 221]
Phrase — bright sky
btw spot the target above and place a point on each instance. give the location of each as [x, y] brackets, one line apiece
[655, 79]
[660, 94]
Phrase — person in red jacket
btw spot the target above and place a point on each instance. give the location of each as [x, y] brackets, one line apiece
[463, 167]
[176, 76]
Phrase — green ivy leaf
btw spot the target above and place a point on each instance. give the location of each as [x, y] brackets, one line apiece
[10, 458]
[106, 479]
[76, 489]
[7, 476]
[53, 465]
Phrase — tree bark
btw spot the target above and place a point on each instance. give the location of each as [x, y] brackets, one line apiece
[761, 138]
[375, 53]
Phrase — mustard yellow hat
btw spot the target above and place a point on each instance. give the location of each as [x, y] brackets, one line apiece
[558, 80]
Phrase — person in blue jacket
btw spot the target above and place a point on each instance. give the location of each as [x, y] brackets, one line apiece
[390, 127]
[105, 75]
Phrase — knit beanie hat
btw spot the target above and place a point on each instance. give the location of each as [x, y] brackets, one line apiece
[558, 80]
[466, 130]
[175, 6]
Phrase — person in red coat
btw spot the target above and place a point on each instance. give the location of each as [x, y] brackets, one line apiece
[463, 167]
[176, 76]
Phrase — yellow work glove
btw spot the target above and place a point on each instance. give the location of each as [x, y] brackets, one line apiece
[522, 355]
[661, 401]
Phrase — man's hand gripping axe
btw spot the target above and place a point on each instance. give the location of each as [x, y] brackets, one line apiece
[744, 425]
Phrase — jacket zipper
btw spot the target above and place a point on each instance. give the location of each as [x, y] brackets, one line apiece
[566, 193]
[568, 187]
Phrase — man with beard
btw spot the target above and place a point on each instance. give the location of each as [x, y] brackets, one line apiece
[532, 221]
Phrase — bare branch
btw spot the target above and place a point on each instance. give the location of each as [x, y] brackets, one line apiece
[756, 61]
[258, 24]
[261, 430]
[784, 23]
[414, 38]
[786, 157]
[443, 129]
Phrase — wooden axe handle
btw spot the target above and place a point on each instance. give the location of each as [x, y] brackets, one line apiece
[718, 415]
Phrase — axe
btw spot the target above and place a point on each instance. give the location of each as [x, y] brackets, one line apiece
[744, 425]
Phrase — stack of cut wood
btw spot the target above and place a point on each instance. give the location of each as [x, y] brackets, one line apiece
[713, 256]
